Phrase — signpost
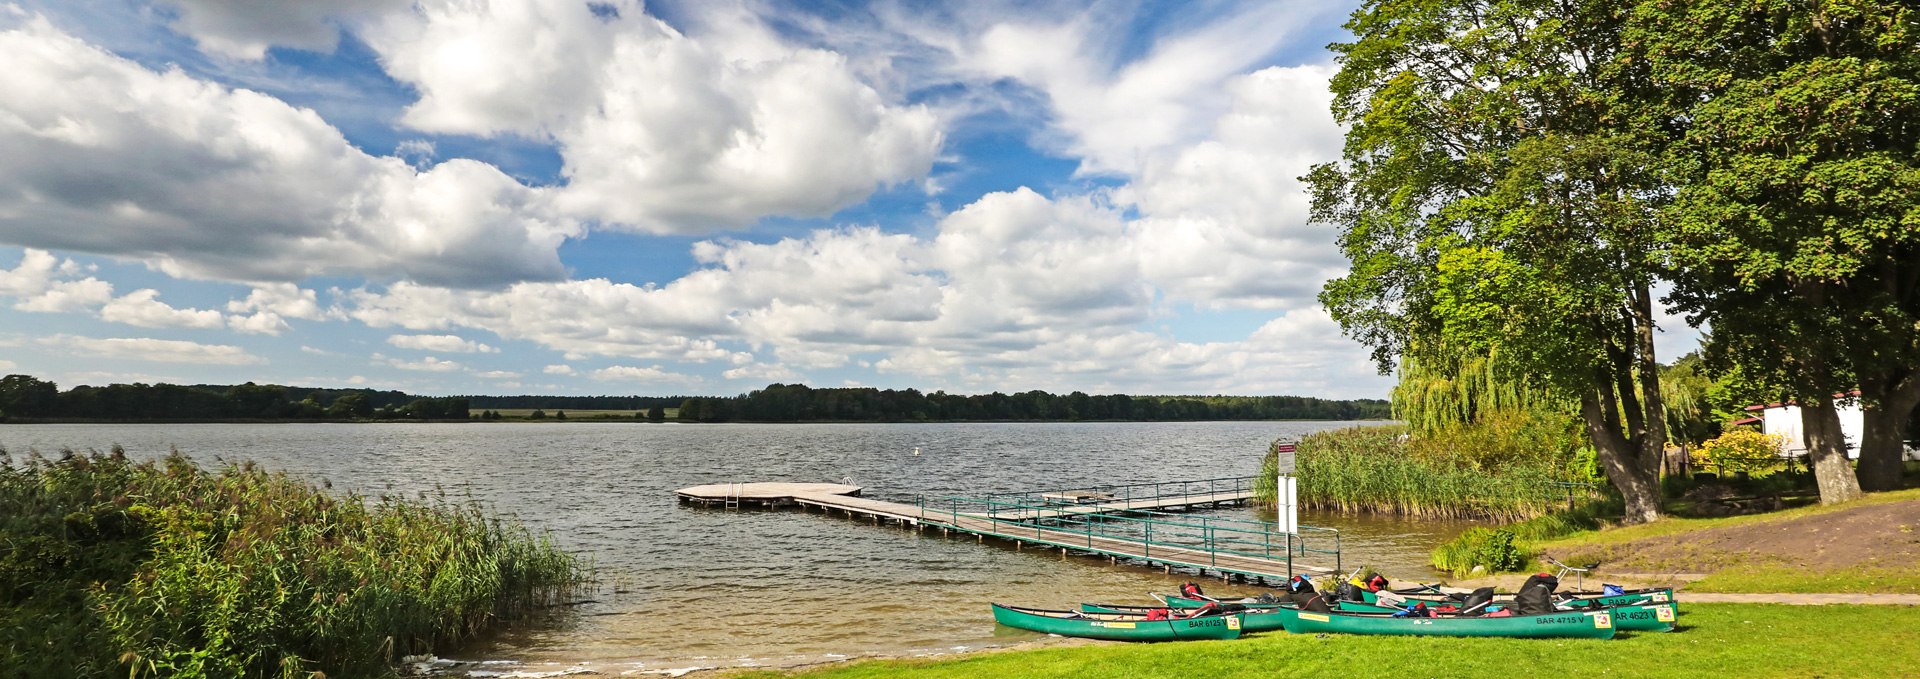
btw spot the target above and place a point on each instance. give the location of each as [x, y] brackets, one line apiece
[1287, 495]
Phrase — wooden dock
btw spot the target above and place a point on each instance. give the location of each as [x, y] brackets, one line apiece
[1067, 527]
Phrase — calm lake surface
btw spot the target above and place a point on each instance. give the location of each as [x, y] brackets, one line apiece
[691, 587]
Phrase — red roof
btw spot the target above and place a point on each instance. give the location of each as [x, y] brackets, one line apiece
[1750, 420]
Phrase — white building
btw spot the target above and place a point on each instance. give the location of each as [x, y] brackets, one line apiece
[1783, 419]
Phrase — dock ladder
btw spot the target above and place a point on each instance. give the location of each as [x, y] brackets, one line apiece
[733, 496]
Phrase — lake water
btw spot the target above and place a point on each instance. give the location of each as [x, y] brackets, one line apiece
[691, 587]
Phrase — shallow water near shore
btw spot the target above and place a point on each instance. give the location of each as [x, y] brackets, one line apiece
[685, 586]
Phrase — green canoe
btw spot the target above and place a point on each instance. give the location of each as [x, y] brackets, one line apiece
[1592, 625]
[1582, 599]
[1177, 601]
[1118, 627]
[1434, 596]
[1637, 618]
[1257, 619]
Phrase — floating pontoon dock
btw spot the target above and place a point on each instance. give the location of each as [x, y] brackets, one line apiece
[1142, 522]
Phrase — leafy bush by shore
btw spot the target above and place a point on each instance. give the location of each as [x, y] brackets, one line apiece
[1513, 547]
[110, 567]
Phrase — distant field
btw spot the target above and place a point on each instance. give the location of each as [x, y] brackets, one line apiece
[521, 413]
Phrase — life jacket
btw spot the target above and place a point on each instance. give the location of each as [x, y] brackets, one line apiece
[1536, 595]
[1157, 614]
[1349, 592]
[1476, 602]
[1191, 591]
[1311, 602]
[1300, 583]
[1376, 583]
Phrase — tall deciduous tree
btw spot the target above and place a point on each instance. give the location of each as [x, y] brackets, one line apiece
[1796, 224]
[1494, 198]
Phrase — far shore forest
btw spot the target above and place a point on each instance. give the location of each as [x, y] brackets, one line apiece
[24, 398]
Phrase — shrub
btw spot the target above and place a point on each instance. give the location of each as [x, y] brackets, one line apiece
[164, 569]
[1492, 549]
[1743, 450]
[1477, 547]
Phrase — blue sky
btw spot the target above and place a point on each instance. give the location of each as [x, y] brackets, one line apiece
[554, 196]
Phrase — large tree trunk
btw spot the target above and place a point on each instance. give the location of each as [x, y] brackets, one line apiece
[1885, 413]
[1620, 459]
[1827, 450]
[1653, 440]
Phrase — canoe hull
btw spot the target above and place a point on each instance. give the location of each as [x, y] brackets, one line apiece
[1639, 618]
[1569, 624]
[1119, 627]
[1581, 599]
[1256, 620]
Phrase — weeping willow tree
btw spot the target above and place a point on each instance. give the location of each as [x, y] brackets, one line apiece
[1435, 396]
[1685, 389]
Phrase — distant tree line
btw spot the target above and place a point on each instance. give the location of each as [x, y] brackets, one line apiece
[800, 403]
[25, 396]
[528, 401]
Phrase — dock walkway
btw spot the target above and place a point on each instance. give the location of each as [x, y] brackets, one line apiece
[1118, 529]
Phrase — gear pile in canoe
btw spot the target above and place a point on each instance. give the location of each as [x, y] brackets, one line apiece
[1365, 606]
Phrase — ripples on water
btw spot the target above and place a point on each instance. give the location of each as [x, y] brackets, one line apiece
[712, 587]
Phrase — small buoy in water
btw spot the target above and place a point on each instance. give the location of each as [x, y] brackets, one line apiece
[916, 451]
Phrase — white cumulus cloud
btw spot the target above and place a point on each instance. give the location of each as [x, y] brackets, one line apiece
[440, 343]
[144, 308]
[244, 29]
[154, 350]
[105, 156]
[628, 373]
[427, 364]
[658, 130]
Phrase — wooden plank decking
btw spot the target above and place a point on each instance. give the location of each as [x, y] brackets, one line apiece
[1017, 526]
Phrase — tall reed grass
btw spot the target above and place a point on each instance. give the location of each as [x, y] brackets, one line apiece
[110, 567]
[1503, 471]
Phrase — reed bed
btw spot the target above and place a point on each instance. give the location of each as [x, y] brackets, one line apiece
[110, 567]
[1379, 469]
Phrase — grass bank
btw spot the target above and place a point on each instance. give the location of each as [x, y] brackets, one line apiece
[1587, 535]
[110, 567]
[1868, 545]
[1675, 525]
[1494, 471]
[1747, 640]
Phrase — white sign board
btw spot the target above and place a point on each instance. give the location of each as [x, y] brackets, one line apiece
[1289, 504]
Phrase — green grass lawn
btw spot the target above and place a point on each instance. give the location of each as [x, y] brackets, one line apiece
[1714, 640]
[1861, 580]
[1760, 576]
